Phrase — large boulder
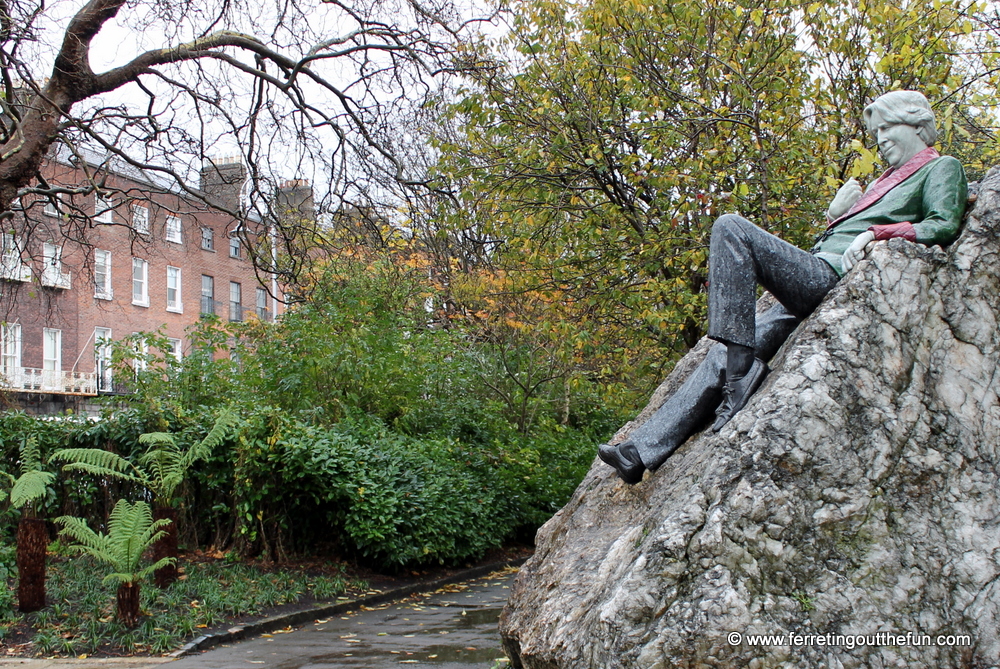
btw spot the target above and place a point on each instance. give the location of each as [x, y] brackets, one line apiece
[858, 493]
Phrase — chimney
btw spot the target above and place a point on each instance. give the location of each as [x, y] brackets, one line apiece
[295, 200]
[222, 180]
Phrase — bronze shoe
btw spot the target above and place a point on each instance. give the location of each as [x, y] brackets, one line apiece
[625, 459]
[736, 394]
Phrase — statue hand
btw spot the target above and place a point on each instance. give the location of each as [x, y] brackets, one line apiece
[848, 194]
[859, 248]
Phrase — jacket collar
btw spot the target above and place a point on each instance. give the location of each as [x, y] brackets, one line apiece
[888, 181]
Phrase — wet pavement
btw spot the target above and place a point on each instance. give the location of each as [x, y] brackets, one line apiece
[452, 628]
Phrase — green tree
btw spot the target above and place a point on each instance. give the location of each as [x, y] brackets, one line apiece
[606, 138]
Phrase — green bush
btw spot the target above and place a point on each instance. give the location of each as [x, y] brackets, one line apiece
[8, 568]
[366, 430]
[391, 498]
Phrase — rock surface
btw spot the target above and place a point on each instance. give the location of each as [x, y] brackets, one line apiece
[858, 493]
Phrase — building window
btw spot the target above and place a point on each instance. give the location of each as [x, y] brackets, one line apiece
[140, 218]
[103, 209]
[51, 358]
[54, 205]
[11, 267]
[52, 274]
[234, 248]
[10, 353]
[173, 229]
[102, 275]
[262, 304]
[102, 358]
[235, 301]
[11, 252]
[140, 282]
[140, 348]
[207, 294]
[174, 289]
[174, 349]
[208, 239]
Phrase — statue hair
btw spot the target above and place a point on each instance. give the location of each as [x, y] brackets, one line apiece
[907, 107]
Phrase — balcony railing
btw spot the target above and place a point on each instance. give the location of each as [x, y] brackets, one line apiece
[53, 278]
[49, 381]
[210, 307]
[263, 314]
[114, 387]
[235, 312]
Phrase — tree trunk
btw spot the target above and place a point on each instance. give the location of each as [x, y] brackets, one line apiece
[166, 547]
[32, 540]
[128, 604]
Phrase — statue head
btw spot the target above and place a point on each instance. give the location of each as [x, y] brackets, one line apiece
[902, 124]
[906, 107]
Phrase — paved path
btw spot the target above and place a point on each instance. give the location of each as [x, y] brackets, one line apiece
[452, 628]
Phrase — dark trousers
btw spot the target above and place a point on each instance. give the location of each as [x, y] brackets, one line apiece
[741, 256]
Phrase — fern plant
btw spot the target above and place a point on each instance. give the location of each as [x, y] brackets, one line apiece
[34, 483]
[131, 531]
[161, 470]
[32, 486]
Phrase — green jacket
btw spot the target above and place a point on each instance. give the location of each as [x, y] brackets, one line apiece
[925, 206]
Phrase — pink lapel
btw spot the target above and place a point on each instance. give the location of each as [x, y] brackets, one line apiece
[888, 181]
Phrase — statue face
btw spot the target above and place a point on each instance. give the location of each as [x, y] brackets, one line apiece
[897, 142]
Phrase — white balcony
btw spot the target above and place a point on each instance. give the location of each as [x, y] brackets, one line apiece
[27, 379]
[53, 278]
[14, 270]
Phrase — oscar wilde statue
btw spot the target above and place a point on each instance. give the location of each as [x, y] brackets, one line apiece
[920, 198]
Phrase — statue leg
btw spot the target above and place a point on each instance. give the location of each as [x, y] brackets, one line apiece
[741, 256]
[690, 408]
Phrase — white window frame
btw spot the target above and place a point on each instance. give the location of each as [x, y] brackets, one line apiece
[11, 250]
[12, 267]
[141, 348]
[51, 359]
[52, 274]
[209, 295]
[140, 298]
[235, 300]
[102, 283]
[176, 306]
[261, 306]
[140, 218]
[102, 358]
[50, 208]
[235, 247]
[104, 208]
[52, 257]
[172, 230]
[207, 238]
[176, 349]
[10, 352]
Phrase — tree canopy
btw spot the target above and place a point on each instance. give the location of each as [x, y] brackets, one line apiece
[607, 136]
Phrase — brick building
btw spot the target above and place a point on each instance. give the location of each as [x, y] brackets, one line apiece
[133, 255]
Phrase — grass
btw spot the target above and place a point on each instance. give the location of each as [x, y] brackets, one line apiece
[80, 617]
